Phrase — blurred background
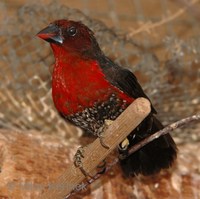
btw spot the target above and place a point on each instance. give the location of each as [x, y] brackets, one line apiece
[159, 40]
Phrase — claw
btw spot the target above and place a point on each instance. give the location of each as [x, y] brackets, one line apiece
[123, 149]
[78, 156]
[102, 166]
[101, 138]
[124, 144]
[107, 123]
[78, 161]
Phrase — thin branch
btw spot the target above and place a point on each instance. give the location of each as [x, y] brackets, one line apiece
[164, 131]
[147, 27]
[96, 153]
[193, 10]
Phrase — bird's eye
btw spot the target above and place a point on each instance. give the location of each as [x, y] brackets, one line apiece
[72, 31]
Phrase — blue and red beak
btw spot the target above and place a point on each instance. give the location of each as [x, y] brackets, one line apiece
[51, 34]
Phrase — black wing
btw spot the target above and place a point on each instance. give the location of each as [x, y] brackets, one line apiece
[123, 79]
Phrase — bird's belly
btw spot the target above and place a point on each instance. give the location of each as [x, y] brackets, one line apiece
[92, 118]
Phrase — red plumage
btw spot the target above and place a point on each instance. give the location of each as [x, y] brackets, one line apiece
[85, 85]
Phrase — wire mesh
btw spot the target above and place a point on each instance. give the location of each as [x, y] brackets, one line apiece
[158, 40]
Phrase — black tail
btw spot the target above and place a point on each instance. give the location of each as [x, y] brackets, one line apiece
[150, 159]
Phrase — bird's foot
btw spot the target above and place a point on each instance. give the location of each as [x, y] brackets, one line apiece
[101, 139]
[107, 123]
[78, 161]
[101, 168]
[123, 149]
[124, 144]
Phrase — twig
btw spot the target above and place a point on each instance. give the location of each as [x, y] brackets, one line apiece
[96, 153]
[164, 131]
[147, 27]
[193, 10]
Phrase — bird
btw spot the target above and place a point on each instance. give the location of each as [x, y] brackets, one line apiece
[89, 88]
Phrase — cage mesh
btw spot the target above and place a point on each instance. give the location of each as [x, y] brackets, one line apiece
[158, 40]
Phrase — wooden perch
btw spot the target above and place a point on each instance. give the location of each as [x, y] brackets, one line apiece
[96, 153]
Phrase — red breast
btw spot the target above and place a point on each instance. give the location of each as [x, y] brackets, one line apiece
[79, 83]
